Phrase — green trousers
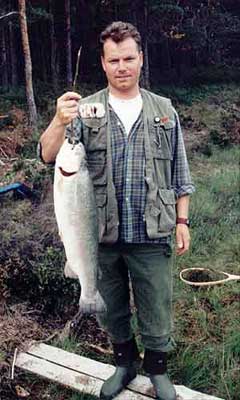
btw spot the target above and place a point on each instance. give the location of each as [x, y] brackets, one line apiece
[149, 266]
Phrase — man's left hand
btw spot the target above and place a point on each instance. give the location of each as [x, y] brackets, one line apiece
[182, 239]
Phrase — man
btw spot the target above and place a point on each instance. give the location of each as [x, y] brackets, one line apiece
[137, 161]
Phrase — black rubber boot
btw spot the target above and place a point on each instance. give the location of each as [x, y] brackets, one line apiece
[163, 387]
[155, 364]
[117, 382]
[126, 356]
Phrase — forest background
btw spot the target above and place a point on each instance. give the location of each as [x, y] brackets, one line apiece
[191, 41]
[192, 55]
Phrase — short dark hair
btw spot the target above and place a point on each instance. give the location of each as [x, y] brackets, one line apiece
[119, 31]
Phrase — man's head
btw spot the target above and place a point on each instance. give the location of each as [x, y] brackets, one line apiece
[119, 31]
[122, 58]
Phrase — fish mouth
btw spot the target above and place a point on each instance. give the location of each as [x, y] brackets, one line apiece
[65, 173]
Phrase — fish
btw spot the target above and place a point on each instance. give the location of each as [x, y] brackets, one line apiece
[76, 215]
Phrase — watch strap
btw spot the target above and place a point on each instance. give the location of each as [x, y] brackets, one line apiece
[184, 221]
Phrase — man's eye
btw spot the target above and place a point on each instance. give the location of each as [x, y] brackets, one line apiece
[113, 61]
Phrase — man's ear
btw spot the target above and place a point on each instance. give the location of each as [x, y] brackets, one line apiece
[103, 63]
[141, 58]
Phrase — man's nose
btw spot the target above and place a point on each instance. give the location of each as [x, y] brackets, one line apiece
[121, 65]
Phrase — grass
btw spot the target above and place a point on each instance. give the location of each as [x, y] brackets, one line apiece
[189, 95]
[215, 211]
[207, 320]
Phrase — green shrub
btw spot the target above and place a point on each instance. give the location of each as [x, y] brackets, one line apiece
[32, 257]
[215, 74]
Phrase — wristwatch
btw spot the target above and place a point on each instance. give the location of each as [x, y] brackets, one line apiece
[184, 221]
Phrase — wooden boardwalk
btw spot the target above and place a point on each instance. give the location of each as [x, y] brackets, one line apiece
[86, 375]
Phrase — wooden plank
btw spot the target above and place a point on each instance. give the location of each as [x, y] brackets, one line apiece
[68, 377]
[99, 371]
[73, 361]
[88, 366]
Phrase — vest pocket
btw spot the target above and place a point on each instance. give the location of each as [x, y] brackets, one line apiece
[160, 136]
[160, 214]
[97, 166]
[94, 133]
[167, 215]
[101, 201]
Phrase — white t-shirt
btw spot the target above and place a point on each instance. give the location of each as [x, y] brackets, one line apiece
[127, 110]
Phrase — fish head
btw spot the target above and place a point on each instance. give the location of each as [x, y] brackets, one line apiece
[71, 157]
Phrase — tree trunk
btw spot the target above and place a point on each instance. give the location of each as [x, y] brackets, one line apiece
[53, 59]
[12, 49]
[115, 10]
[43, 57]
[146, 58]
[4, 71]
[68, 44]
[28, 64]
[134, 12]
[167, 54]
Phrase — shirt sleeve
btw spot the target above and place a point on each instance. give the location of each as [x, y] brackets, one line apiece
[181, 178]
[40, 157]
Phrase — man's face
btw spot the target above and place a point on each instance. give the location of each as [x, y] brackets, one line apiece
[122, 64]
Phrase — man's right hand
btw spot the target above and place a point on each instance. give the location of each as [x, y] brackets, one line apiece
[67, 107]
[53, 137]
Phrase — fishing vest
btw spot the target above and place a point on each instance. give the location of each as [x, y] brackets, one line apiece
[159, 123]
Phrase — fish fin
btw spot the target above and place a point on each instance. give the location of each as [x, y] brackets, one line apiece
[68, 272]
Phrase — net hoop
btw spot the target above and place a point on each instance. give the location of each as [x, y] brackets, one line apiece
[229, 277]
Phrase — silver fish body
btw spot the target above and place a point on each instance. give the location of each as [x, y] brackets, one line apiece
[76, 215]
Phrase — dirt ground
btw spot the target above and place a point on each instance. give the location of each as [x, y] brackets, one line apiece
[21, 325]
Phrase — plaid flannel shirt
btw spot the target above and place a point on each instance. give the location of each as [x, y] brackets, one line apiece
[129, 172]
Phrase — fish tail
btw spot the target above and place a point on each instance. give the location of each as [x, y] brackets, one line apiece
[92, 307]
